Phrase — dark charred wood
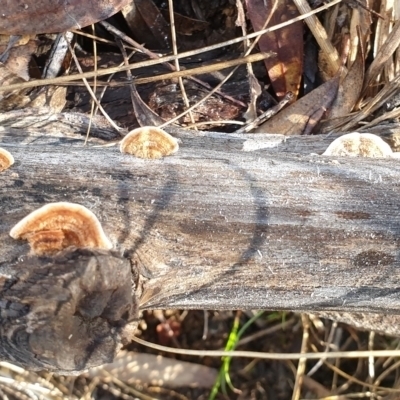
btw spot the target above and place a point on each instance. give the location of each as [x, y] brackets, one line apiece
[66, 313]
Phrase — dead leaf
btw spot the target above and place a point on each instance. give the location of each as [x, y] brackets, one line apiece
[19, 57]
[150, 369]
[302, 116]
[15, 99]
[148, 24]
[144, 114]
[346, 99]
[286, 69]
[53, 97]
[49, 16]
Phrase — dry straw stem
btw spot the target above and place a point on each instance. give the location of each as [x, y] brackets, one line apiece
[206, 68]
[89, 89]
[175, 52]
[301, 367]
[320, 34]
[272, 356]
[389, 47]
[107, 71]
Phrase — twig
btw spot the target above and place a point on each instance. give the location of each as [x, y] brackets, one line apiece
[160, 60]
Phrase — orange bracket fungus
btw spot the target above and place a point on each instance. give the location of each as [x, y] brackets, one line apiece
[149, 142]
[6, 159]
[57, 226]
[359, 144]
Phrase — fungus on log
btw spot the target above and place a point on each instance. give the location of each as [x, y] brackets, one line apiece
[57, 226]
[149, 142]
[359, 144]
[221, 225]
[6, 159]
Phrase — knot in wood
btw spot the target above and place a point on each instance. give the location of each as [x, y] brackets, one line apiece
[66, 313]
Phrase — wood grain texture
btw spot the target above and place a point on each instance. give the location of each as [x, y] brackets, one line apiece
[272, 231]
[217, 227]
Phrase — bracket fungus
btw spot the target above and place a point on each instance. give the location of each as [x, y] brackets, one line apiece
[359, 144]
[149, 142]
[6, 159]
[57, 226]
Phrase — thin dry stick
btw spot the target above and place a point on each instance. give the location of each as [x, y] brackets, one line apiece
[116, 127]
[216, 122]
[153, 56]
[316, 367]
[320, 34]
[160, 60]
[371, 361]
[206, 68]
[301, 367]
[93, 104]
[385, 373]
[359, 381]
[94, 37]
[193, 71]
[177, 66]
[271, 356]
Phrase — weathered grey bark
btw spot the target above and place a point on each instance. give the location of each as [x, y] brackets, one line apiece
[216, 227]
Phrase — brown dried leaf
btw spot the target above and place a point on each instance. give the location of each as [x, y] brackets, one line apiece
[15, 70]
[302, 116]
[147, 23]
[15, 99]
[285, 70]
[346, 99]
[48, 16]
[18, 58]
[131, 367]
[53, 97]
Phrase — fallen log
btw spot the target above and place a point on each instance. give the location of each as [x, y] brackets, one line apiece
[217, 226]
